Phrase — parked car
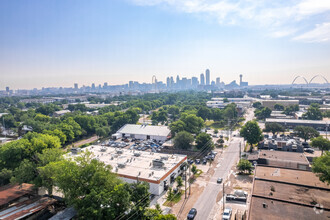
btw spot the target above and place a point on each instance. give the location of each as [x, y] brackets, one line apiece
[190, 161]
[204, 161]
[197, 161]
[227, 214]
[192, 214]
[309, 150]
[219, 180]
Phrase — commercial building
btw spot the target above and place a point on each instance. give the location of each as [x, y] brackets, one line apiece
[282, 144]
[207, 76]
[157, 169]
[281, 193]
[23, 202]
[61, 113]
[144, 132]
[292, 123]
[271, 103]
[283, 159]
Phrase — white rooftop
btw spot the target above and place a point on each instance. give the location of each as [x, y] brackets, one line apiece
[136, 166]
[145, 130]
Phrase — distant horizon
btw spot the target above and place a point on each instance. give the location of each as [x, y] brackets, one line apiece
[58, 43]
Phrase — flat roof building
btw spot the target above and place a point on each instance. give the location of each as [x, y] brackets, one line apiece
[144, 132]
[159, 170]
[271, 103]
[281, 193]
[292, 123]
[284, 159]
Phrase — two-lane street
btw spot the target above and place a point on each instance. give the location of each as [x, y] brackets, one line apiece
[207, 200]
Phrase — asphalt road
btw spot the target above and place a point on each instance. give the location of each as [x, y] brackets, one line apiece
[207, 200]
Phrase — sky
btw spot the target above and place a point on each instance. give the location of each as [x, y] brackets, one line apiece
[45, 43]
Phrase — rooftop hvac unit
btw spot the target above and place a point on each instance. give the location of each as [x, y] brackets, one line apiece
[121, 165]
[158, 163]
[164, 158]
[137, 154]
[103, 149]
[119, 152]
[75, 150]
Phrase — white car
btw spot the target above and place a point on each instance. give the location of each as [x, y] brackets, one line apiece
[226, 214]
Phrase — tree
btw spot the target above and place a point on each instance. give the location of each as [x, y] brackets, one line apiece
[25, 173]
[174, 111]
[220, 142]
[278, 107]
[251, 133]
[216, 131]
[183, 140]
[306, 132]
[5, 175]
[321, 143]
[177, 126]
[179, 182]
[203, 139]
[204, 112]
[244, 165]
[313, 113]
[291, 109]
[170, 194]
[321, 167]
[89, 186]
[56, 132]
[274, 128]
[139, 196]
[263, 113]
[193, 123]
[225, 100]
[101, 132]
[194, 169]
[257, 105]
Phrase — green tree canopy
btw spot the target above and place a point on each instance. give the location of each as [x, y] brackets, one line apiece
[321, 166]
[251, 132]
[321, 143]
[274, 128]
[203, 139]
[263, 113]
[183, 140]
[313, 113]
[278, 107]
[306, 132]
[244, 166]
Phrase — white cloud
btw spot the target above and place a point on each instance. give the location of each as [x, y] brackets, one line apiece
[321, 33]
[280, 18]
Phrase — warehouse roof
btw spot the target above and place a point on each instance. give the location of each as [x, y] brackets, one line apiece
[297, 121]
[145, 130]
[136, 164]
[9, 193]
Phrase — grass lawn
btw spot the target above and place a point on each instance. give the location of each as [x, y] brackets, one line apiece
[213, 124]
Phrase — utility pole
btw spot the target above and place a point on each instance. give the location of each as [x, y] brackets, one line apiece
[185, 182]
[240, 150]
[189, 178]
[223, 197]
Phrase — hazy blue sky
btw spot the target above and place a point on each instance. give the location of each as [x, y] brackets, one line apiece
[47, 43]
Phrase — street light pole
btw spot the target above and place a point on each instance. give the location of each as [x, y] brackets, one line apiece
[223, 197]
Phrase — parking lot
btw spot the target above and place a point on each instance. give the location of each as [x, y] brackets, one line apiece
[135, 144]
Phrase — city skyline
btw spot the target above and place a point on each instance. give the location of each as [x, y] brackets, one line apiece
[60, 43]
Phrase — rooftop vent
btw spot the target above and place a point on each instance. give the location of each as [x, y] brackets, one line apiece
[158, 163]
[103, 149]
[121, 165]
[264, 205]
[164, 158]
[137, 154]
[119, 151]
[75, 150]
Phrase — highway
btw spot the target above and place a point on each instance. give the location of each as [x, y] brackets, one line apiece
[207, 200]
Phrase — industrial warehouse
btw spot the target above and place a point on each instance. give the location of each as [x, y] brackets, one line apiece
[144, 132]
[159, 170]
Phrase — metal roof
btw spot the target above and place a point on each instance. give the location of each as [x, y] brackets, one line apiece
[9, 193]
[145, 130]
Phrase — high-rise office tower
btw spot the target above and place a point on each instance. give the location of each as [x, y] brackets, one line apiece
[217, 81]
[177, 79]
[207, 74]
[168, 82]
[202, 79]
[93, 86]
[240, 79]
[172, 81]
[105, 85]
[194, 82]
[7, 89]
[76, 86]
